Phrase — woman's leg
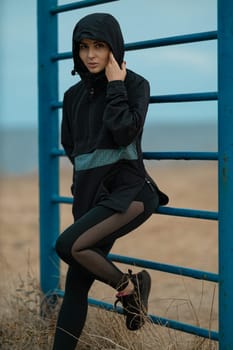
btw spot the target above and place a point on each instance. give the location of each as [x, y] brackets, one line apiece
[73, 312]
[81, 243]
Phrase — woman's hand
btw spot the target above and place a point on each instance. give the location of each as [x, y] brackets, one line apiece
[113, 71]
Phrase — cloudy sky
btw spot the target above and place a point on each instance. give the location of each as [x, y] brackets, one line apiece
[173, 69]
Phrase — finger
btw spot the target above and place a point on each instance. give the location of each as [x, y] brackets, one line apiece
[111, 57]
[123, 65]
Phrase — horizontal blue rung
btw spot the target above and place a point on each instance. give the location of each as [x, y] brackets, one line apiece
[191, 213]
[174, 40]
[177, 270]
[161, 321]
[78, 5]
[163, 155]
[56, 152]
[184, 327]
[181, 155]
[190, 97]
[61, 56]
[62, 199]
[174, 98]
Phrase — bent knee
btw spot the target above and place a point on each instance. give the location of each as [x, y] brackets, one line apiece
[63, 249]
[76, 250]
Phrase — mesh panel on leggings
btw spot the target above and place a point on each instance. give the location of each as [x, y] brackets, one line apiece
[85, 248]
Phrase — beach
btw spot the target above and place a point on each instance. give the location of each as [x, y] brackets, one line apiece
[165, 239]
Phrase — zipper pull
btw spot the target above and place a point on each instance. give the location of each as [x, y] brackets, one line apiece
[150, 184]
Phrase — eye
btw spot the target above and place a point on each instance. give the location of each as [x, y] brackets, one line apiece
[100, 45]
[82, 46]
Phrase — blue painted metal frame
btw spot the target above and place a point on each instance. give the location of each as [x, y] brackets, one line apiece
[225, 127]
[77, 5]
[49, 154]
[48, 139]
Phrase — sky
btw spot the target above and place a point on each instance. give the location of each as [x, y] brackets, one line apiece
[173, 69]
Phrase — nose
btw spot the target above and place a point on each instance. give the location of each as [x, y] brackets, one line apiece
[91, 52]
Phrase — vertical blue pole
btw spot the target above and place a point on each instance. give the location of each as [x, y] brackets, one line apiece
[225, 111]
[48, 138]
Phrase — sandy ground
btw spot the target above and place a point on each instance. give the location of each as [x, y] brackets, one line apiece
[166, 239]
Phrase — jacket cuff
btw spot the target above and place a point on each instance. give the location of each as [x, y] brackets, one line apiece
[116, 87]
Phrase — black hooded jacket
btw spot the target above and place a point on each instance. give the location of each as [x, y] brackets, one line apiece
[102, 126]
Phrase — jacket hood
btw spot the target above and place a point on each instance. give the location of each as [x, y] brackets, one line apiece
[97, 26]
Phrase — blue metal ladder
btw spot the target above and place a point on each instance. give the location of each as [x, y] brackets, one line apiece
[49, 154]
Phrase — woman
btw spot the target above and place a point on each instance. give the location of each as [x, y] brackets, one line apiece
[103, 118]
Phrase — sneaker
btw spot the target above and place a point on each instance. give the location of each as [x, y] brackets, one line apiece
[135, 305]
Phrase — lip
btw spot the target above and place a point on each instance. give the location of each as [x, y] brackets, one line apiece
[92, 65]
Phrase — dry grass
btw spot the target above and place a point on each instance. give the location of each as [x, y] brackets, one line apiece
[23, 328]
[21, 324]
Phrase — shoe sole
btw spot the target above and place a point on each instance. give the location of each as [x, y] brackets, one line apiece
[135, 322]
[146, 282]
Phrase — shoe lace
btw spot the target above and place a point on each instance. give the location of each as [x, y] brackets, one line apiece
[119, 298]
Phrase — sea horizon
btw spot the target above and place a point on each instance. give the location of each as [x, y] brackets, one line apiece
[19, 146]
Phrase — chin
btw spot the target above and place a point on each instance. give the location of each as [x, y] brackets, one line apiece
[95, 71]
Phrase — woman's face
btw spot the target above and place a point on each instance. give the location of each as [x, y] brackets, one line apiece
[94, 54]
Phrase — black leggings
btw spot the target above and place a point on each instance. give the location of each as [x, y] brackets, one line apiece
[85, 246]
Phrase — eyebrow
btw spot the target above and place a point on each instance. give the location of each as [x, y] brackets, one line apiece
[94, 41]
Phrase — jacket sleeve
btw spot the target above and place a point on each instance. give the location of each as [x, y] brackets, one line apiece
[126, 109]
[66, 131]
